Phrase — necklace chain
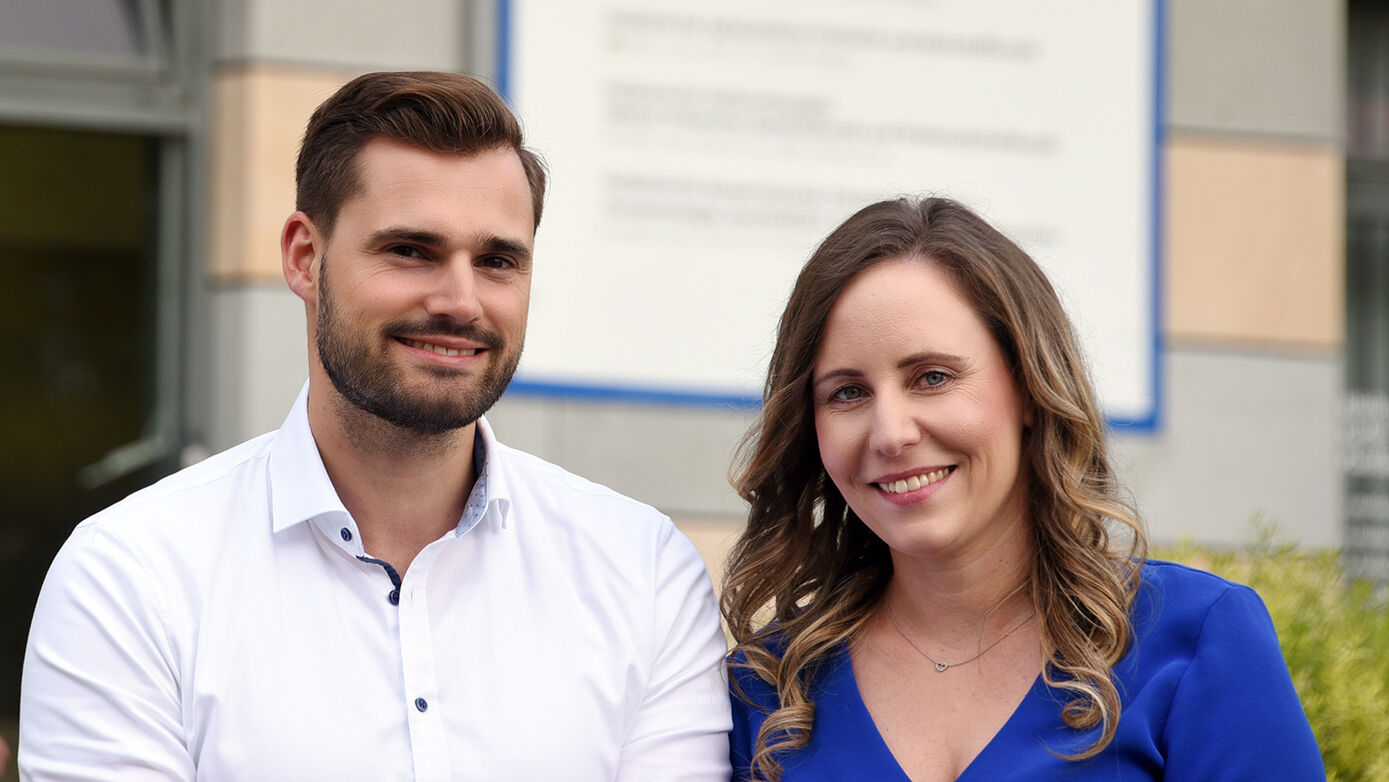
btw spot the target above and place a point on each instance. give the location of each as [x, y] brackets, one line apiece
[941, 665]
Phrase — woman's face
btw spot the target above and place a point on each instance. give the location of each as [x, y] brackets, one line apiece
[917, 416]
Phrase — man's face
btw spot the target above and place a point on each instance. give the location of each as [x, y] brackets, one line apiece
[424, 287]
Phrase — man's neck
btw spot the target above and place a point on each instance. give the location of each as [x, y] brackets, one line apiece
[404, 489]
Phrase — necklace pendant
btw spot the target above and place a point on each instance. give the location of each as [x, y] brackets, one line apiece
[940, 666]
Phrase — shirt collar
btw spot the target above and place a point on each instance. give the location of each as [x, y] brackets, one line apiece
[300, 489]
[497, 491]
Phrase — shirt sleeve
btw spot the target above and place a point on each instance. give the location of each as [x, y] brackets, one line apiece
[1235, 714]
[680, 732]
[100, 694]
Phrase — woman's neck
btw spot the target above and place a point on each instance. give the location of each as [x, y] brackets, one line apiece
[958, 600]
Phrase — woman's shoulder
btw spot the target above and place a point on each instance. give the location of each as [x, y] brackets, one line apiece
[1178, 602]
[1192, 585]
[1205, 680]
[1189, 583]
[746, 683]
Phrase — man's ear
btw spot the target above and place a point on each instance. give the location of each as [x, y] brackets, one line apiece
[301, 245]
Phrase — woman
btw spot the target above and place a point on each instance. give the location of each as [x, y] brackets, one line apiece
[940, 578]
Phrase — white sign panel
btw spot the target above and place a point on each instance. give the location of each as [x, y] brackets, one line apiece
[700, 151]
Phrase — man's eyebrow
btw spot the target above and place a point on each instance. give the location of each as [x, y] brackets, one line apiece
[483, 244]
[498, 244]
[411, 235]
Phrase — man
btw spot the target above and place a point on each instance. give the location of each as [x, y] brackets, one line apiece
[380, 590]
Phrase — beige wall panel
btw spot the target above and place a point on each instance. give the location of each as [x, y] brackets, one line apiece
[1254, 242]
[258, 119]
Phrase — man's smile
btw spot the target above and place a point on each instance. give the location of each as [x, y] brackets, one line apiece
[440, 349]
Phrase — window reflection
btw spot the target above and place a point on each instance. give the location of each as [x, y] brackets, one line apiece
[77, 339]
[103, 27]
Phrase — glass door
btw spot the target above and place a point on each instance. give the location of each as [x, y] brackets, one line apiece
[79, 348]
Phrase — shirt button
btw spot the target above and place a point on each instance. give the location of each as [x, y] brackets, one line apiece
[421, 704]
[345, 533]
[394, 597]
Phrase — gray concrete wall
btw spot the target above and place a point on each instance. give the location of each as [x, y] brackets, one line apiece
[1257, 67]
[1249, 428]
[674, 457]
[1245, 436]
[360, 35]
[259, 364]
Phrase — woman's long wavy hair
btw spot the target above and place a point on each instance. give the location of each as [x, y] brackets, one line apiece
[807, 574]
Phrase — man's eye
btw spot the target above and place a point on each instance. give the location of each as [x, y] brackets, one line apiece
[495, 262]
[405, 251]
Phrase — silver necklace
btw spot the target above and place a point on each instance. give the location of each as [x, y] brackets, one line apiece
[941, 665]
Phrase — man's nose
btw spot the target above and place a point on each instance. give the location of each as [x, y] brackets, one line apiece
[454, 291]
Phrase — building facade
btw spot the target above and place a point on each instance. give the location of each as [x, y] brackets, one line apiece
[146, 167]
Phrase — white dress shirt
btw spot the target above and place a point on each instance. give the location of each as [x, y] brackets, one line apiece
[226, 624]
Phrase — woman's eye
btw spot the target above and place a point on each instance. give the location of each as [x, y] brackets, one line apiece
[847, 394]
[934, 378]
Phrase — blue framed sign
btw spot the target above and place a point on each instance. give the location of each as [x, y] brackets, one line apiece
[699, 151]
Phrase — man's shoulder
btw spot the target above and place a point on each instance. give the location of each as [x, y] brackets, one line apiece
[173, 531]
[192, 492]
[530, 475]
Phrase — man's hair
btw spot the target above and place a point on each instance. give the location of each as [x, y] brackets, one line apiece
[440, 112]
[807, 573]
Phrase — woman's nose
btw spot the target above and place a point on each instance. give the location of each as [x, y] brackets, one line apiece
[895, 426]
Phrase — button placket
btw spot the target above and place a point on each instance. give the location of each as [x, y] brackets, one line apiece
[393, 596]
[428, 741]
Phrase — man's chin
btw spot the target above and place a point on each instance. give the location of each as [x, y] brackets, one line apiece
[430, 417]
[420, 399]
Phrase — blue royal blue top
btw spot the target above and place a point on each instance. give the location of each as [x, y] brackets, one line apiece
[1206, 696]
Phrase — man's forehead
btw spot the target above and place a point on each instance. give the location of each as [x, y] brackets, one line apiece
[410, 188]
[382, 154]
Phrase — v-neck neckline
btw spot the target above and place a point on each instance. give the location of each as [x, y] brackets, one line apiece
[977, 765]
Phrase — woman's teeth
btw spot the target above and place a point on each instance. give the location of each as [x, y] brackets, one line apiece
[915, 482]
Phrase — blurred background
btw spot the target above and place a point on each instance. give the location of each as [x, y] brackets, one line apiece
[146, 166]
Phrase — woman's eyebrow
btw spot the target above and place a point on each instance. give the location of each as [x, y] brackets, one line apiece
[930, 356]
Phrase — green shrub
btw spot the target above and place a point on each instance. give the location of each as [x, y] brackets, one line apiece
[1335, 638]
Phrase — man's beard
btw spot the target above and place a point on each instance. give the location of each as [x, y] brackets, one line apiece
[372, 383]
